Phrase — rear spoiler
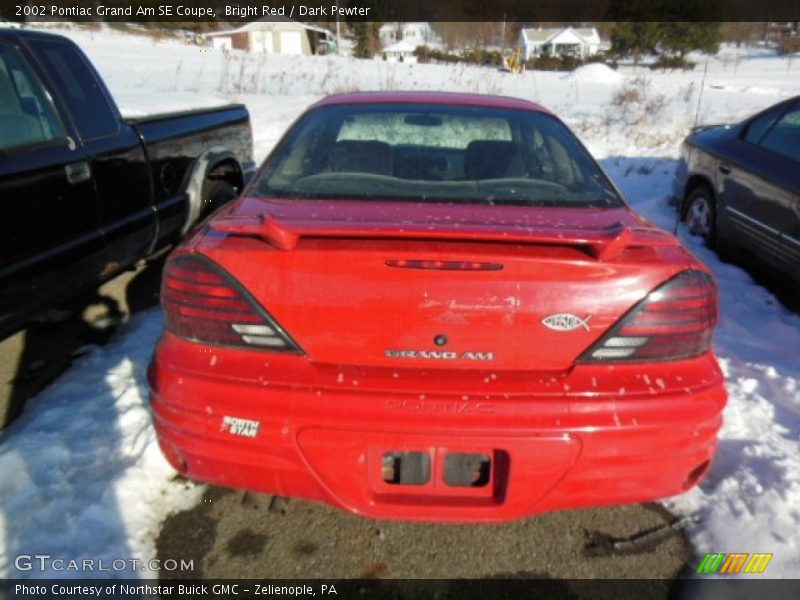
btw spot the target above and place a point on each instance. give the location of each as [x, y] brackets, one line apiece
[602, 244]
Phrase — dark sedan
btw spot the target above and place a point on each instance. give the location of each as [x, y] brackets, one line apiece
[740, 186]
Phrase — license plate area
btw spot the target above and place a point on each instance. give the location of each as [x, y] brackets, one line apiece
[349, 466]
[467, 470]
[406, 468]
[434, 472]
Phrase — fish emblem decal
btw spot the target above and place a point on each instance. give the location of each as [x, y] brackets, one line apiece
[566, 322]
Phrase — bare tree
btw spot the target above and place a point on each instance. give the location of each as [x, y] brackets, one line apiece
[460, 34]
[743, 33]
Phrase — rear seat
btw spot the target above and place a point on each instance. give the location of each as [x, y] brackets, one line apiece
[357, 156]
[493, 159]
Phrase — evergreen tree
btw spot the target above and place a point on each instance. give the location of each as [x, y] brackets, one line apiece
[660, 26]
[681, 37]
[635, 38]
[671, 38]
[363, 48]
[366, 37]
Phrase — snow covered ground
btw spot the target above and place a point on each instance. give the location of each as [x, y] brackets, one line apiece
[80, 472]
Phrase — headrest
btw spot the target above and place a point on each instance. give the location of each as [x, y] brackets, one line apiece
[356, 156]
[489, 159]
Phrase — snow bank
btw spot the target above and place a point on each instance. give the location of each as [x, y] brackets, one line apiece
[751, 498]
[596, 73]
[81, 475]
[750, 501]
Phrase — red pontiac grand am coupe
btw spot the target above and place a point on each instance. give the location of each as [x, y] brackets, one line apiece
[437, 307]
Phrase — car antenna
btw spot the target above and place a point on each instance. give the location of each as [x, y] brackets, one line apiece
[700, 95]
[696, 119]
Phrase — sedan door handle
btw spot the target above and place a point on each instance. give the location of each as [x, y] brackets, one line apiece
[724, 168]
[78, 172]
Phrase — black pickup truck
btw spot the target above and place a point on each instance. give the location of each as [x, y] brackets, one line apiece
[85, 193]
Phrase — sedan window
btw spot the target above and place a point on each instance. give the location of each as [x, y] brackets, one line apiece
[760, 125]
[784, 137]
[435, 153]
[442, 130]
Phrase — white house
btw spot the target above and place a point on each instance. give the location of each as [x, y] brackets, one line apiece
[273, 37]
[579, 42]
[416, 33]
[401, 52]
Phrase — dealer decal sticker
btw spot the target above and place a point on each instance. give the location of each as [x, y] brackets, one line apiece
[241, 427]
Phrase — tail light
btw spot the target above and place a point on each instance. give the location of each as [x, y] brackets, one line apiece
[204, 303]
[674, 321]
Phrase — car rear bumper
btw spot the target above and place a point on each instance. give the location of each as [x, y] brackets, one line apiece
[324, 433]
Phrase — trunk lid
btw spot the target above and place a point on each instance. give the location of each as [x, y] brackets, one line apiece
[441, 286]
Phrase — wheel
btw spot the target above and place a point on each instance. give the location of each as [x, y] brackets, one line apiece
[701, 215]
[215, 194]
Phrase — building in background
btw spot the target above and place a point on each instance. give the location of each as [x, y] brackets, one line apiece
[274, 37]
[780, 30]
[415, 33]
[578, 42]
[402, 51]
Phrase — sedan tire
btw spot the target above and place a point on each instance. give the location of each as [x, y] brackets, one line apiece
[701, 215]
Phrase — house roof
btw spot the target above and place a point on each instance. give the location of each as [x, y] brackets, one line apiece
[401, 46]
[271, 23]
[539, 35]
[388, 27]
[588, 35]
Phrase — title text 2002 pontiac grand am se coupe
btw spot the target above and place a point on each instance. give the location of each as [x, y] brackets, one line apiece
[437, 307]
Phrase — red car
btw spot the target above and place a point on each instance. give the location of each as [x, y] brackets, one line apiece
[437, 307]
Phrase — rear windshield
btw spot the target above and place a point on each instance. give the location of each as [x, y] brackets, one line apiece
[434, 153]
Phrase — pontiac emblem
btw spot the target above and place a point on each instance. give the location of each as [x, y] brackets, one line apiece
[565, 322]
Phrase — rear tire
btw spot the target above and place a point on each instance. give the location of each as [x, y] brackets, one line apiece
[701, 215]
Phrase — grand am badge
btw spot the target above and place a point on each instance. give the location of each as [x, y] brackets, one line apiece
[439, 355]
[565, 322]
[240, 427]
